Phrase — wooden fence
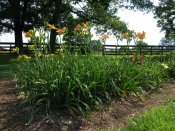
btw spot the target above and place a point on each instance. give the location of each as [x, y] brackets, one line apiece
[7, 47]
[130, 49]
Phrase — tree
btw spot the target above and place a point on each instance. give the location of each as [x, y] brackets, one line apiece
[11, 18]
[22, 15]
[165, 15]
[166, 42]
[87, 10]
[18, 16]
[99, 12]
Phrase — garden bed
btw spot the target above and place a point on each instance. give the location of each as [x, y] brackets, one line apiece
[14, 116]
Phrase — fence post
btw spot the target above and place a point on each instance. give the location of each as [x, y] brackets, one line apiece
[116, 49]
[162, 50]
[28, 47]
[103, 50]
[151, 50]
[140, 50]
[10, 48]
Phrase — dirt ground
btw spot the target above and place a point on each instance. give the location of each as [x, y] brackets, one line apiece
[14, 116]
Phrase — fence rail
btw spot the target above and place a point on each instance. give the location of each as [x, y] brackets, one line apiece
[7, 47]
[130, 49]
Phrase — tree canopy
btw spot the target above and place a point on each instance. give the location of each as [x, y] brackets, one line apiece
[22, 15]
[165, 14]
[18, 16]
[167, 42]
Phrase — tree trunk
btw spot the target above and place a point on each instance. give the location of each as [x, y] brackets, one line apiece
[18, 37]
[18, 27]
[52, 41]
[55, 19]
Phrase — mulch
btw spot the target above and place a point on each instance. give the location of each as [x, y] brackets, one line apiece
[14, 116]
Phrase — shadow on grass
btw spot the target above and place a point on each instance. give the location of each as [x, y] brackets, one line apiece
[7, 65]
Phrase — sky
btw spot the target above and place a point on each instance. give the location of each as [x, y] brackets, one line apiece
[136, 20]
[139, 22]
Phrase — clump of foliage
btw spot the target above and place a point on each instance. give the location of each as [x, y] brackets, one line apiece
[78, 83]
[164, 13]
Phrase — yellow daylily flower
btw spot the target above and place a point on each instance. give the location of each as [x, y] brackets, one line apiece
[24, 58]
[50, 56]
[85, 25]
[16, 50]
[165, 66]
[31, 47]
[125, 35]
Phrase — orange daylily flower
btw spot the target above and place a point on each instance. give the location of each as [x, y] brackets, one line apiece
[61, 31]
[28, 34]
[133, 57]
[141, 35]
[140, 60]
[78, 27]
[52, 27]
[105, 36]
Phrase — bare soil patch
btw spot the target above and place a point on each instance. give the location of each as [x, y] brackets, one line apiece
[14, 116]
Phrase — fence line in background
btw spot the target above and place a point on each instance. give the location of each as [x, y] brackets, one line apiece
[7, 47]
[130, 49]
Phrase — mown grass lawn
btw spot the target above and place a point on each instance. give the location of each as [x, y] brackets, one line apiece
[7, 65]
[158, 119]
